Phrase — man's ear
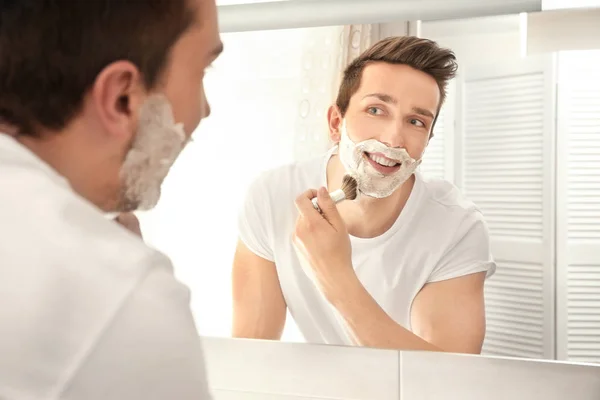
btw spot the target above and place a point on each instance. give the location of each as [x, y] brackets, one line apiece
[117, 95]
[334, 119]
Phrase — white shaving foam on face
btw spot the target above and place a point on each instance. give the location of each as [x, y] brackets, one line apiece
[371, 182]
[156, 146]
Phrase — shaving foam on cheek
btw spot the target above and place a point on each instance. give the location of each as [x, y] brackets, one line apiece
[156, 146]
[371, 182]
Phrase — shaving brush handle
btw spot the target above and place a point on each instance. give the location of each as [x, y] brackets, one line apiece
[336, 196]
[315, 204]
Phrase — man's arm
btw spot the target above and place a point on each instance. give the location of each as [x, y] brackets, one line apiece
[451, 314]
[259, 309]
[441, 318]
[446, 316]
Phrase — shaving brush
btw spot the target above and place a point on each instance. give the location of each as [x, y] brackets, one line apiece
[349, 191]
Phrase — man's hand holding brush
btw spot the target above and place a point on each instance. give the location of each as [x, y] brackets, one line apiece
[322, 238]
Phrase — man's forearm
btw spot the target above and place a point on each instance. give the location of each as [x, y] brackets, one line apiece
[369, 323]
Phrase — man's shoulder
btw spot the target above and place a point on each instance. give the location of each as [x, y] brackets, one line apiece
[76, 270]
[42, 214]
[92, 313]
[443, 210]
[80, 284]
[446, 196]
[268, 209]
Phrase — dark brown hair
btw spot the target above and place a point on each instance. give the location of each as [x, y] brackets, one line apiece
[51, 52]
[421, 54]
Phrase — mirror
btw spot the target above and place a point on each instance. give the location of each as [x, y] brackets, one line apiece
[518, 135]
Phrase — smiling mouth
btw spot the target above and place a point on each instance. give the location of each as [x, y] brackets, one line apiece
[382, 160]
[382, 164]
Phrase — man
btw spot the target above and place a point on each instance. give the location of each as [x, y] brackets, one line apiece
[401, 267]
[97, 99]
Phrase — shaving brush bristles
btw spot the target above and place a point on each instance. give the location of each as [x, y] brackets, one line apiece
[350, 187]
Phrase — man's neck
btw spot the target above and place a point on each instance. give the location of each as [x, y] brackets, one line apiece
[368, 217]
[8, 130]
[68, 158]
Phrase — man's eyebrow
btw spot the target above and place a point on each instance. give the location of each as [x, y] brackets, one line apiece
[386, 98]
[423, 112]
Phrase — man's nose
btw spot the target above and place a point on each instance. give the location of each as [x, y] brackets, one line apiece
[394, 136]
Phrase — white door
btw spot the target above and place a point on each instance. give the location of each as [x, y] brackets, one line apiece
[503, 160]
[507, 149]
[578, 218]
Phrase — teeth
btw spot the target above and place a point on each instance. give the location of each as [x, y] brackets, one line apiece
[382, 161]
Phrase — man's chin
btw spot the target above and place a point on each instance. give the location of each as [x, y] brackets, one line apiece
[149, 200]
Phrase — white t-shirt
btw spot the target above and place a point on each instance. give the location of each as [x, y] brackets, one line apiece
[439, 235]
[87, 310]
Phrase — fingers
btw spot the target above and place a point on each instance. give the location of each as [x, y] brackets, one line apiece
[310, 220]
[309, 194]
[313, 217]
[329, 209]
[305, 206]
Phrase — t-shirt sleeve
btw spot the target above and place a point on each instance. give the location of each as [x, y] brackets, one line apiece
[469, 253]
[254, 219]
[149, 350]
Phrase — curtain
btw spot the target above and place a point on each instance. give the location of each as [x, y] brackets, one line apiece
[325, 55]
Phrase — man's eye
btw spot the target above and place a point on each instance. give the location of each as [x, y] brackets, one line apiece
[418, 123]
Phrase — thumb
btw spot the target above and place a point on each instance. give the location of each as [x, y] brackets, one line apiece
[329, 209]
